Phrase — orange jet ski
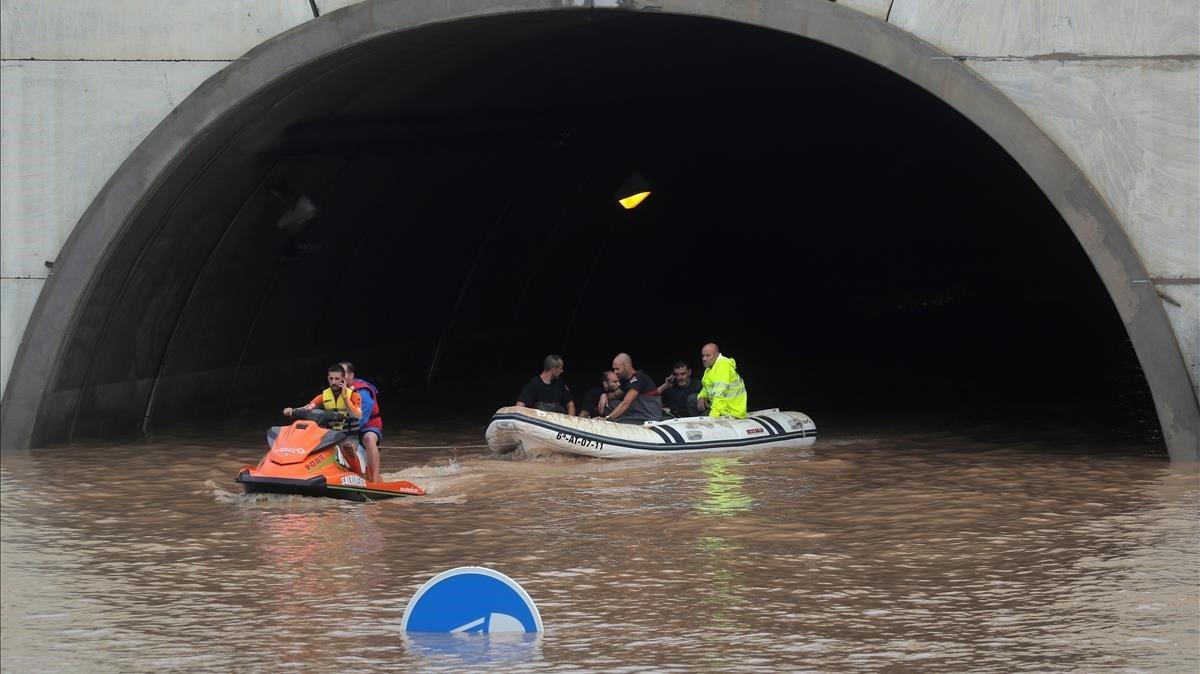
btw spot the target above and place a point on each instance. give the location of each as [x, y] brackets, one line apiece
[317, 456]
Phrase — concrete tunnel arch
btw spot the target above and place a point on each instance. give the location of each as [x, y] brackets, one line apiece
[102, 261]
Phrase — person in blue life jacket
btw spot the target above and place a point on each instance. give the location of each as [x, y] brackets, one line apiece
[370, 424]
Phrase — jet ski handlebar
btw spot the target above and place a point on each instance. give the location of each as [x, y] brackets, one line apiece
[331, 419]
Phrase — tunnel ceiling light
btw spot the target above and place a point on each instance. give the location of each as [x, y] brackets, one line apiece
[633, 192]
[633, 200]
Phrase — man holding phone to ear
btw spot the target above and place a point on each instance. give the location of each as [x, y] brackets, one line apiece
[337, 398]
[679, 392]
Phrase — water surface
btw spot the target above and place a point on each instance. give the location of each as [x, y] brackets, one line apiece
[904, 550]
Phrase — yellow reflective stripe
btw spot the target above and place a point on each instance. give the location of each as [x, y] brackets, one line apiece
[731, 389]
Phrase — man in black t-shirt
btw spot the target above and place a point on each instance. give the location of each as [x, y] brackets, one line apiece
[610, 389]
[547, 390]
[679, 392]
[641, 401]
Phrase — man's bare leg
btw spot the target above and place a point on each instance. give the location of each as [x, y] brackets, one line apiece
[371, 442]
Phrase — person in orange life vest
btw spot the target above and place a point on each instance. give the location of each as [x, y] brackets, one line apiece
[370, 425]
[338, 397]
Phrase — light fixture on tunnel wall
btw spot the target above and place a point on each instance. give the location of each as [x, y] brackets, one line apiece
[300, 211]
[633, 191]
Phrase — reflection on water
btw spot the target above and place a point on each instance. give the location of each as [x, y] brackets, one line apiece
[723, 490]
[721, 598]
[291, 540]
[904, 551]
[447, 651]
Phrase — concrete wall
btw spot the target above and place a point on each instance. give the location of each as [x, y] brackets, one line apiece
[1113, 83]
[83, 82]
[1116, 85]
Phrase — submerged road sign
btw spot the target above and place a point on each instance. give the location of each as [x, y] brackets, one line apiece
[471, 599]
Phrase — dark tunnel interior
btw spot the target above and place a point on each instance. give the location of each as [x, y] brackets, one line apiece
[865, 253]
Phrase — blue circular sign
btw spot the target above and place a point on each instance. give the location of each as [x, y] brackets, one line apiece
[471, 600]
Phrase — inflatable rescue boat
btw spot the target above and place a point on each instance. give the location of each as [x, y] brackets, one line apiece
[523, 427]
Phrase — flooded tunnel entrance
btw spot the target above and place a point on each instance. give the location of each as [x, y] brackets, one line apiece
[436, 205]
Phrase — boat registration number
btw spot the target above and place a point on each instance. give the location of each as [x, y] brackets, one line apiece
[576, 440]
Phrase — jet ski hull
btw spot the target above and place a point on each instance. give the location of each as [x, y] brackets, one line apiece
[318, 486]
[310, 459]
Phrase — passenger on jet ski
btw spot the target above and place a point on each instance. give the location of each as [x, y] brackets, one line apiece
[370, 426]
[338, 397]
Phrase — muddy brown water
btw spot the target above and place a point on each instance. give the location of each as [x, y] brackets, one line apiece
[901, 551]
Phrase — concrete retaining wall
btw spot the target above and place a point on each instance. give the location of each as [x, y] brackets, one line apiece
[1115, 86]
[83, 83]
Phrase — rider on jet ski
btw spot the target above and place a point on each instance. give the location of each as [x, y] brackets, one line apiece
[338, 397]
[319, 454]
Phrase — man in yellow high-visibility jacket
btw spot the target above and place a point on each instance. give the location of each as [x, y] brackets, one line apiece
[722, 387]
